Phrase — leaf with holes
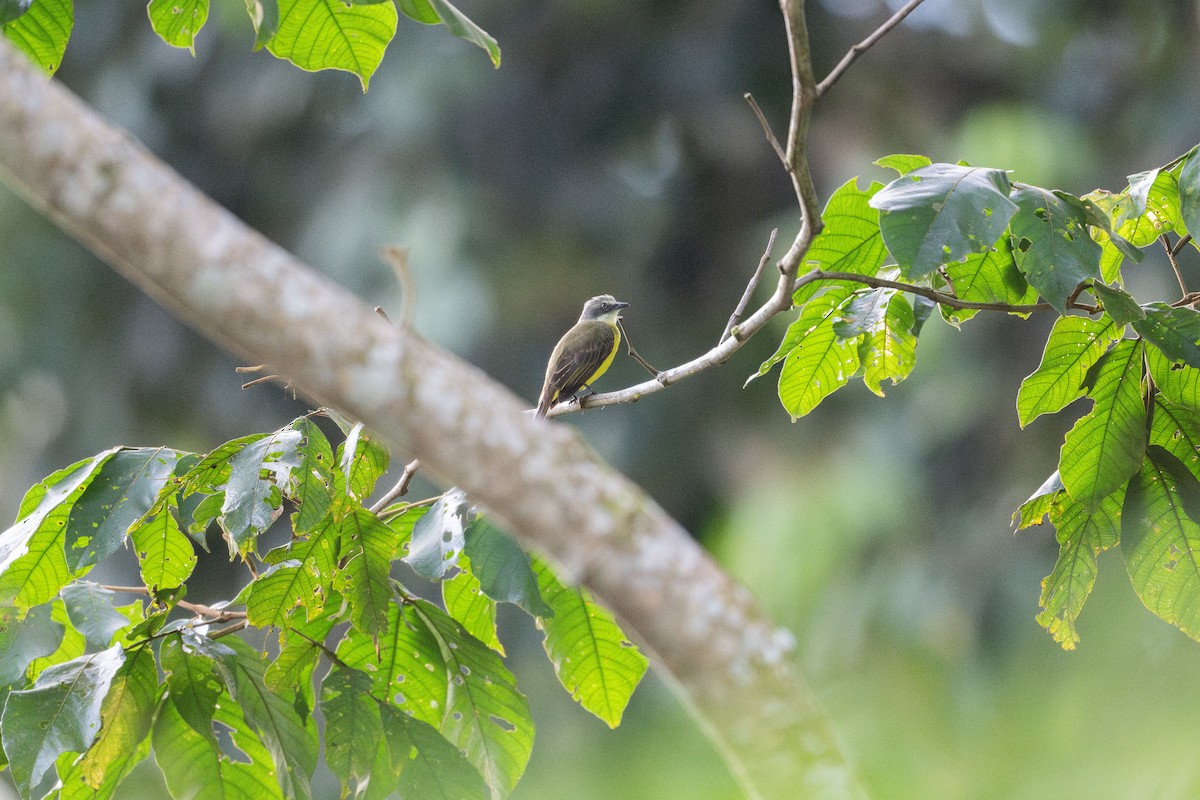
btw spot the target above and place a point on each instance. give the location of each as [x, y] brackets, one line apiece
[366, 549]
[465, 601]
[178, 21]
[989, 277]
[942, 213]
[1176, 429]
[1177, 382]
[889, 350]
[42, 32]
[362, 461]
[165, 555]
[502, 568]
[438, 536]
[1052, 244]
[90, 609]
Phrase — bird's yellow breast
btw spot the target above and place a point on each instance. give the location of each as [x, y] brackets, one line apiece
[603, 368]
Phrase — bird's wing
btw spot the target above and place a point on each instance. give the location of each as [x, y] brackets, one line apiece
[576, 358]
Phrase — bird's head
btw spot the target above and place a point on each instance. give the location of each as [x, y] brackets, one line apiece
[603, 308]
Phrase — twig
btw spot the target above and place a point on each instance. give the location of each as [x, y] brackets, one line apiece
[736, 316]
[401, 487]
[865, 45]
[1182, 243]
[397, 259]
[398, 510]
[1166, 243]
[234, 628]
[933, 294]
[766, 126]
[634, 353]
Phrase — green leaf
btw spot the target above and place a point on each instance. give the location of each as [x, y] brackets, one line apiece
[328, 34]
[1052, 244]
[33, 565]
[405, 664]
[264, 16]
[126, 715]
[22, 640]
[178, 21]
[75, 785]
[1179, 383]
[164, 553]
[11, 9]
[190, 758]
[1034, 510]
[1106, 445]
[889, 351]
[430, 767]
[1189, 191]
[1174, 331]
[275, 594]
[42, 32]
[1176, 429]
[1081, 537]
[811, 316]
[353, 729]
[863, 312]
[362, 461]
[312, 480]
[316, 556]
[903, 164]
[61, 713]
[850, 240]
[91, 611]
[1075, 344]
[434, 11]
[300, 650]
[1161, 538]
[474, 610]
[942, 213]
[1143, 225]
[124, 489]
[292, 745]
[593, 659]
[367, 549]
[438, 536]
[253, 500]
[818, 365]
[72, 645]
[486, 718]
[989, 277]
[1118, 303]
[502, 567]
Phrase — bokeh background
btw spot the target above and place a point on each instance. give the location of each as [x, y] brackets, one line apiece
[613, 152]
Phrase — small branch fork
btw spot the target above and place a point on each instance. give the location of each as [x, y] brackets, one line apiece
[794, 157]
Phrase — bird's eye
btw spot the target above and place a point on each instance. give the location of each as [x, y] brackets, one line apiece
[604, 306]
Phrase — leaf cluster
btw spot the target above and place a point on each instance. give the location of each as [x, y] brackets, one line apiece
[401, 696]
[966, 239]
[312, 34]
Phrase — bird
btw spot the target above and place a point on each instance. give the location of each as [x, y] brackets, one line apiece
[584, 352]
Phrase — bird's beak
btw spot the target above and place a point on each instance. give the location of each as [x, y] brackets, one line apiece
[619, 304]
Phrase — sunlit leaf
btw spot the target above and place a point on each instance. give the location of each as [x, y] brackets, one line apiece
[474, 610]
[1034, 510]
[889, 350]
[430, 767]
[33, 565]
[903, 163]
[1160, 537]
[1176, 429]
[1177, 382]
[253, 500]
[942, 213]
[363, 578]
[593, 659]
[126, 715]
[1142, 224]
[362, 460]
[178, 21]
[353, 729]
[1189, 191]
[1118, 303]
[819, 364]
[165, 555]
[42, 32]
[1081, 537]
[328, 34]
[312, 480]
[989, 277]
[1075, 344]
[1106, 445]
[850, 240]
[434, 11]
[485, 716]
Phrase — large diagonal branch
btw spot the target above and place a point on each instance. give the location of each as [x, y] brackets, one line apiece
[706, 633]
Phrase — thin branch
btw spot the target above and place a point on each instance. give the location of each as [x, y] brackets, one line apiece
[865, 45]
[1166, 243]
[736, 316]
[1182, 243]
[234, 628]
[634, 354]
[924, 291]
[401, 487]
[766, 126]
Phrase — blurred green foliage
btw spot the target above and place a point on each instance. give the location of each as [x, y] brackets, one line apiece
[610, 157]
